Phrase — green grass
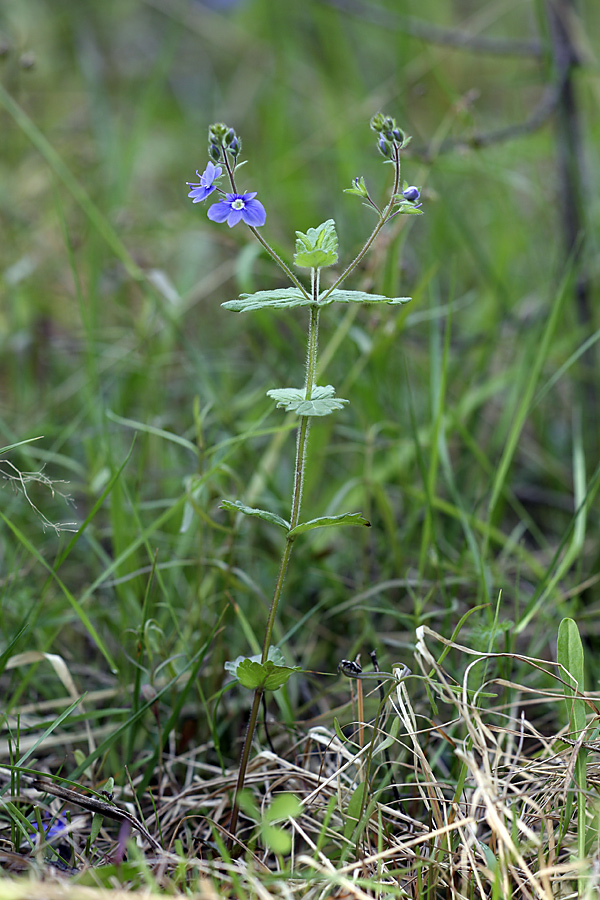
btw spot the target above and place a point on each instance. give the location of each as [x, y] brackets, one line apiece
[131, 404]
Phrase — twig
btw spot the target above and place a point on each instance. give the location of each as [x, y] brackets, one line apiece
[434, 34]
[478, 140]
[110, 810]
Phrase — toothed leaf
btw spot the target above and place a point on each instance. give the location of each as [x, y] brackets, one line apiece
[238, 506]
[328, 521]
[318, 247]
[322, 400]
[360, 297]
[280, 298]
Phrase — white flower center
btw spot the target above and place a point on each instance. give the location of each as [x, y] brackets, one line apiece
[238, 204]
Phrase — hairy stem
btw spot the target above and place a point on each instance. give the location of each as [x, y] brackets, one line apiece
[384, 216]
[295, 281]
[301, 445]
[278, 260]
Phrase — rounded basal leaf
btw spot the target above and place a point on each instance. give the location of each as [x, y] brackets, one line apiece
[284, 806]
[247, 804]
[276, 839]
[318, 247]
[276, 656]
[252, 674]
[270, 677]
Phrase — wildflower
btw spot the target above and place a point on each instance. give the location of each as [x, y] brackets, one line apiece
[52, 827]
[205, 186]
[238, 207]
[411, 193]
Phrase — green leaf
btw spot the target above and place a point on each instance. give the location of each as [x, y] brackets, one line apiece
[569, 654]
[405, 207]
[238, 506]
[252, 674]
[318, 247]
[276, 839]
[97, 821]
[321, 403]
[356, 803]
[360, 188]
[280, 298]
[247, 804]
[327, 521]
[284, 806]
[275, 655]
[359, 297]
[338, 730]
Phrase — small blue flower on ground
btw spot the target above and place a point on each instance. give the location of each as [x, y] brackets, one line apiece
[205, 186]
[411, 193]
[56, 827]
[238, 208]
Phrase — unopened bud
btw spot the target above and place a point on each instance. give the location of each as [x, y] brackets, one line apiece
[411, 193]
[384, 147]
[378, 122]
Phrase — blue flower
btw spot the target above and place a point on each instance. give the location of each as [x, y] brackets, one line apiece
[238, 207]
[205, 186]
[411, 193]
[52, 827]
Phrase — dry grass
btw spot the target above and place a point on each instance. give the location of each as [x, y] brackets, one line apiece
[485, 793]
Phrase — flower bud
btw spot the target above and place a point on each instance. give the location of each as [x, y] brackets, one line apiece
[398, 135]
[411, 193]
[384, 147]
[378, 122]
[214, 152]
[230, 137]
[235, 146]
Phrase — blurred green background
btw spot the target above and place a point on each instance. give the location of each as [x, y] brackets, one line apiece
[465, 442]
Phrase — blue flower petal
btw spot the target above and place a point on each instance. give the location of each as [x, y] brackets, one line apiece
[235, 216]
[254, 213]
[218, 212]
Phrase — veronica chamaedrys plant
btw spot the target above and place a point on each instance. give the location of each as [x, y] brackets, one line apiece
[315, 250]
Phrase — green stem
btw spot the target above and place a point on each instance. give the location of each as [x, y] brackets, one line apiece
[383, 219]
[301, 445]
[278, 260]
[258, 235]
[258, 695]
